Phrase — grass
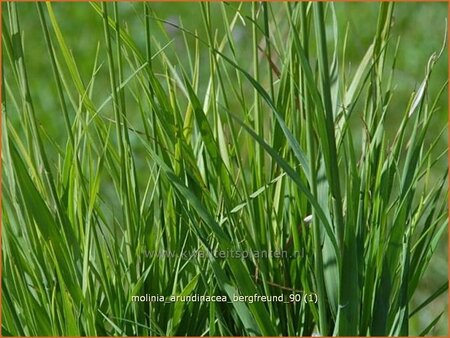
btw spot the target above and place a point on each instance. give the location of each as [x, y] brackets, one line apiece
[182, 144]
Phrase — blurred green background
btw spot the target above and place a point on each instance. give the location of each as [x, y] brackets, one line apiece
[412, 22]
[420, 27]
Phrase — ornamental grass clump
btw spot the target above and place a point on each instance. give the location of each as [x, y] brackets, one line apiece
[239, 157]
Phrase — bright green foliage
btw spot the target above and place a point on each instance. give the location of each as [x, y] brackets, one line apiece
[180, 144]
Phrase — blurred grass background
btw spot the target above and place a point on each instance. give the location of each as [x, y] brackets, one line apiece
[420, 27]
[411, 24]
